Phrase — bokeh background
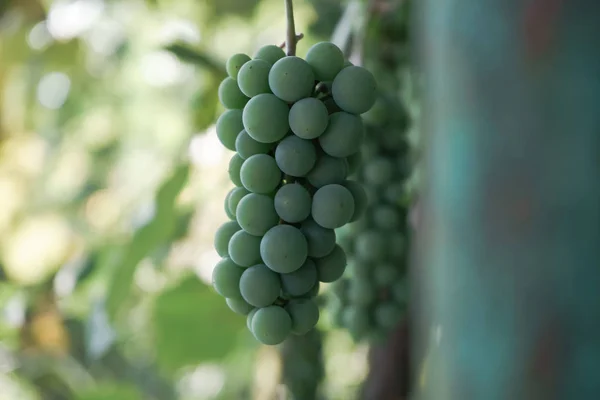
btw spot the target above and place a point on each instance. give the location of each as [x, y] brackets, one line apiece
[112, 183]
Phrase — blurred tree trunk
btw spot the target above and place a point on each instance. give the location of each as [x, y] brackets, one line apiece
[510, 243]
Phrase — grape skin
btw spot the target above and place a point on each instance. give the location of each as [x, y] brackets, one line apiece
[269, 53]
[239, 305]
[228, 127]
[249, 318]
[343, 136]
[291, 79]
[256, 214]
[299, 282]
[304, 314]
[293, 203]
[321, 241]
[235, 196]
[230, 94]
[226, 278]
[223, 235]
[354, 90]
[247, 147]
[260, 174]
[271, 325]
[244, 249]
[327, 170]
[234, 63]
[259, 286]
[284, 249]
[230, 215]
[308, 118]
[333, 206]
[326, 60]
[253, 78]
[295, 156]
[360, 199]
[265, 118]
[235, 164]
[331, 267]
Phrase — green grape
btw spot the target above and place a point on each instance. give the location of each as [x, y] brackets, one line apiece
[253, 78]
[371, 246]
[226, 278]
[354, 90]
[378, 115]
[393, 193]
[308, 118]
[271, 325]
[397, 245]
[333, 206]
[269, 53]
[230, 215]
[360, 198]
[331, 267]
[304, 314]
[246, 146]
[361, 292]
[400, 292]
[256, 214]
[229, 125]
[230, 94]
[244, 249]
[386, 218]
[385, 274]
[249, 318]
[291, 79]
[321, 241]
[343, 136]
[372, 193]
[379, 171]
[354, 161]
[369, 150]
[292, 203]
[234, 63]
[356, 320]
[235, 164]
[387, 315]
[326, 60]
[265, 118]
[260, 174]
[284, 249]
[223, 235]
[260, 286]
[300, 281]
[239, 306]
[235, 196]
[313, 292]
[327, 170]
[360, 269]
[295, 156]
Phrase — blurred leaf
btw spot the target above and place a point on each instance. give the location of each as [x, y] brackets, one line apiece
[192, 324]
[205, 105]
[99, 335]
[197, 57]
[147, 238]
[111, 391]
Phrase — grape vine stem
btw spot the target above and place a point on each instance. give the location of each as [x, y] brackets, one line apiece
[291, 38]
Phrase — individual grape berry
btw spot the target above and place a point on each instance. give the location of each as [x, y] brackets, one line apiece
[333, 206]
[299, 282]
[393, 193]
[223, 235]
[331, 267]
[291, 79]
[284, 249]
[326, 60]
[293, 203]
[235, 164]
[308, 118]
[360, 198]
[321, 241]
[304, 314]
[260, 286]
[269, 53]
[343, 135]
[249, 318]
[260, 174]
[371, 246]
[256, 214]
[230, 215]
[229, 125]
[313, 292]
[386, 218]
[295, 156]
[244, 249]
[234, 63]
[354, 90]
[265, 118]
[230, 94]
[246, 146]
[226, 278]
[235, 196]
[379, 171]
[327, 170]
[271, 325]
[239, 305]
[356, 320]
[384, 274]
[253, 78]
[361, 292]
[388, 314]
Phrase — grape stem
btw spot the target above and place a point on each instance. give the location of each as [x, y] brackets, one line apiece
[291, 38]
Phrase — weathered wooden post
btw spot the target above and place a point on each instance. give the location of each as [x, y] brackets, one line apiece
[509, 246]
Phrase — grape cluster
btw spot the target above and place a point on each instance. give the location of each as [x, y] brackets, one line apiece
[371, 298]
[296, 130]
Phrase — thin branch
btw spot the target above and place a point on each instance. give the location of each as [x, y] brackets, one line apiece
[290, 38]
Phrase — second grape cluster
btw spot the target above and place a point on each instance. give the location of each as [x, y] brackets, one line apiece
[296, 129]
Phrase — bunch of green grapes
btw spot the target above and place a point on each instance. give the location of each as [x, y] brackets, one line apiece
[296, 130]
[371, 298]
[303, 367]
